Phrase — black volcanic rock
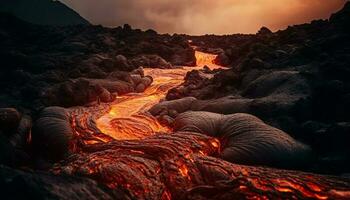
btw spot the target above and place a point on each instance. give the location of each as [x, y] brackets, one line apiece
[17, 184]
[150, 61]
[246, 139]
[287, 78]
[15, 130]
[52, 133]
[9, 119]
[37, 58]
[44, 12]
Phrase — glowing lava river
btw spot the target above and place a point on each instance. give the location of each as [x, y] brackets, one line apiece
[127, 118]
[123, 147]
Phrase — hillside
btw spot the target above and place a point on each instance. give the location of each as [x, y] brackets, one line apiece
[44, 12]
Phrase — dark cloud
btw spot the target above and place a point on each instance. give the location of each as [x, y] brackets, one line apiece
[204, 16]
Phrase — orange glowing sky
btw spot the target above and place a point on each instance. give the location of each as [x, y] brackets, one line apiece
[204, 16]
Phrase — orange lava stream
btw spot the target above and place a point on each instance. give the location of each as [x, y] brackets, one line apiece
[128, 118]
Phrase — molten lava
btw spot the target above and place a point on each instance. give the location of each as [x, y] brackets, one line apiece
[128, 119]
[122, 151]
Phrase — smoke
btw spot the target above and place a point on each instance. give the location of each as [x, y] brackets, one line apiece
[204, 16]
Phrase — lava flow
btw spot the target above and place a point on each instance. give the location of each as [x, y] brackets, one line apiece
[122, 151]
[128, 119]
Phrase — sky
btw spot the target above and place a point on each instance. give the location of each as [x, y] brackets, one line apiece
[197, 17]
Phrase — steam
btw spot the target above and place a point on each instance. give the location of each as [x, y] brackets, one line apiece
[204, 16]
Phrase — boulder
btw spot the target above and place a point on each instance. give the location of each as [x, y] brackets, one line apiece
[93, 71]
[258, 63]
[121, 76]
[277, 82]
[180, 105]
[245, 139]
[22, 136]
[225, 105]
[195, 77]
[175, 93]
[139, 71]
[199, 122]
[183, 57]
[173, 113]
[140, 88]
[107, 64]
[121, 62]
[105, 96]
[81, 91]
[159, 62]
[166, 120]
[71, 93]
[52, 134]
[136, 79]
[140, 61]
[113, 86]
[147, 80]
[55, 112]
[9, 119]
[150, 61]
[222, 59]
[141, 83]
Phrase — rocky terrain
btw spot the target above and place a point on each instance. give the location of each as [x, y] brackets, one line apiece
[41, 63]
[295, 79]
[282, 104]
[69, 66]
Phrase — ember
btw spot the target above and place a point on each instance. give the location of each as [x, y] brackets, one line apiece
[215, 143]
[183, 170]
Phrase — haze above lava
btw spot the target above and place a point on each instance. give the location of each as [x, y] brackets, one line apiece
[199, 17]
